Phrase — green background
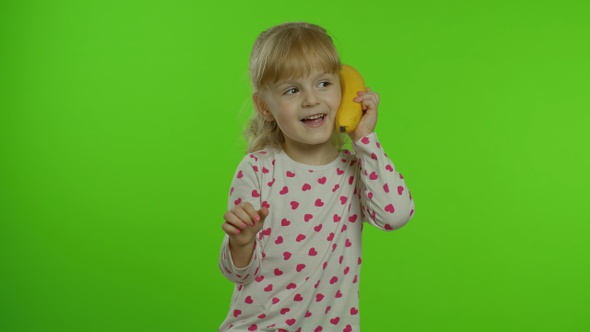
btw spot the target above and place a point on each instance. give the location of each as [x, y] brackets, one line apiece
[120, 129]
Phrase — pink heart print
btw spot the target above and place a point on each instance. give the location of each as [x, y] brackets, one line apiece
[343, 200]
[400, 190]
[389, 208]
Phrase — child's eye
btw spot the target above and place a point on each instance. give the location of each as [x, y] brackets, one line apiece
[325, 84]
[291, 91]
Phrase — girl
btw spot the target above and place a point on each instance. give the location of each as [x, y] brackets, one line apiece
[298, 200]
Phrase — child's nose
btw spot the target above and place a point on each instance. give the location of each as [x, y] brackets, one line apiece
[310, 98]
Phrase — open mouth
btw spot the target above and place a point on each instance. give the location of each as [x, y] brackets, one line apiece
[314, 119]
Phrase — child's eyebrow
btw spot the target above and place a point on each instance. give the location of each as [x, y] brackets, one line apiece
[284, 83]
[324, 73]
[291, 81]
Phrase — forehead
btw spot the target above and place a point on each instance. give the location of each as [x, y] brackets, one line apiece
[305, 65]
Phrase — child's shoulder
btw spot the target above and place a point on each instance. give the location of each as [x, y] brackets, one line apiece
[259, 158]
[261, 155]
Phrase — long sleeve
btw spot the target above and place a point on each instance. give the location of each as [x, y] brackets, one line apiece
[245, 187]
[304, 273]
[386, 200]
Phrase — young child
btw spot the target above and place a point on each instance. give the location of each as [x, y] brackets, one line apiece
[298, 201]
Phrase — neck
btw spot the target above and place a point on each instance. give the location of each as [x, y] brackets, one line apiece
[312, 154]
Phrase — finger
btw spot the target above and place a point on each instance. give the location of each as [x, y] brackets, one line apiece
[234, 220]
[263, 213]
[243, 215]
[229, 229]
[368, 99]
[252, 214]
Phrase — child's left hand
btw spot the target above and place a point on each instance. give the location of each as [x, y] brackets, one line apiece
[369, 101]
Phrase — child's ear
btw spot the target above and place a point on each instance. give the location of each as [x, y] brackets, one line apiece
[262, 107]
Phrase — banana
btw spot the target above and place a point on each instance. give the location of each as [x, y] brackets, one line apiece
[349, 113]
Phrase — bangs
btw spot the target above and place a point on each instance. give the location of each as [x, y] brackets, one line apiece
[298, 53]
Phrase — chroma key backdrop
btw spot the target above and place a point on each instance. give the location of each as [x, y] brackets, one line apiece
[120, 131]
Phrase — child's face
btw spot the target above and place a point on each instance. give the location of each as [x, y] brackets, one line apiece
[305, 108]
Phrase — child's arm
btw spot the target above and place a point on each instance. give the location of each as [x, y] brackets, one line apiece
[385, 198]
[242, 223]
[240, 254]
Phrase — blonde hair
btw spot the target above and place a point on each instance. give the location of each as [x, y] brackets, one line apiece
[286, 51]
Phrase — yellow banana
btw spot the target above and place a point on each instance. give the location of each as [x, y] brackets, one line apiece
[350, 112]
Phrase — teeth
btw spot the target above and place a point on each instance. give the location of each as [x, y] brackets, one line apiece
[313, 117]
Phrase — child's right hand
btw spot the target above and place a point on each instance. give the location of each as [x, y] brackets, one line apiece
[243, 222]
